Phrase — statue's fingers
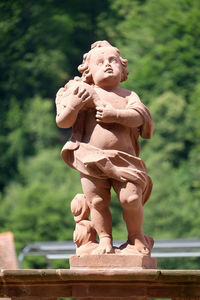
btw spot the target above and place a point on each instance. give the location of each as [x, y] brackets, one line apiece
[88, 98]
[75, 92]
[99, 113]
[85, 95]
[98, 120]
[99, 116]
[81, 92]
[98, 108]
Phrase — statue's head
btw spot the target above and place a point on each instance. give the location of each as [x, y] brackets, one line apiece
[103, 60]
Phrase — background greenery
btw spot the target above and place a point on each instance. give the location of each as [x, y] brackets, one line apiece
[41, 45]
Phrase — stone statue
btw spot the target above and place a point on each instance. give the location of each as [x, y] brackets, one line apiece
[106, 122]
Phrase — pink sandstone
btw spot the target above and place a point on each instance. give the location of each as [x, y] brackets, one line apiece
[106, 122]
[8, 259]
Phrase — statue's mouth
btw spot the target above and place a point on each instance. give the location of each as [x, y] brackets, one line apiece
[109, 70]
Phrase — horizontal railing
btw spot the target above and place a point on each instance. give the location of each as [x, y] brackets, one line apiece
[63, 250]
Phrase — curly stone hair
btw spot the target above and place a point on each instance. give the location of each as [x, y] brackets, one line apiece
[84, 67]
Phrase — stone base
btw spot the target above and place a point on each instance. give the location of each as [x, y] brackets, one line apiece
[8, 259]
[110, 261]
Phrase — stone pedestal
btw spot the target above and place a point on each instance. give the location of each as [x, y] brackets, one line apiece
[8, 259]
[112, 261]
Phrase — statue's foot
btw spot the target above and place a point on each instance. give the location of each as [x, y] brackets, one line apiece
[105, 247]
[140, 243]
[86, 249]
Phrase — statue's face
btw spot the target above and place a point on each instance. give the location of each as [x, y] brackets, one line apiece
[105, 67]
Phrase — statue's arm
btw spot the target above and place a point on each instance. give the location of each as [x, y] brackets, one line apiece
[129, 116]
[138, 116]
[67, 117]
[69, 104]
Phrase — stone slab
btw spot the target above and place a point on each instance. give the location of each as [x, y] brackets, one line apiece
[111, 261]
[8, 259]
[91, 283]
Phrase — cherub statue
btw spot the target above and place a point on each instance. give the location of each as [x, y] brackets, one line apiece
[106, 122]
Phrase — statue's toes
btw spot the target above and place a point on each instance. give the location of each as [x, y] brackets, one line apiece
[103, 250]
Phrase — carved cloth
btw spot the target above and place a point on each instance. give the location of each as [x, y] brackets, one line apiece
[111, 164]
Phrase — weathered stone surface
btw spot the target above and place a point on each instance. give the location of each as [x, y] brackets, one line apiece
[112, 261]
[94, 284]
[8, 258]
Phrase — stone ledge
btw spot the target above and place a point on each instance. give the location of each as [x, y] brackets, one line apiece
[62, 275]
[99, 283]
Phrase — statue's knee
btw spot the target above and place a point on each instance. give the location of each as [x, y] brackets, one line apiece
[98, 203]
[132, 201]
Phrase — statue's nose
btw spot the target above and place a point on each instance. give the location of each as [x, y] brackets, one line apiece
[107, 64]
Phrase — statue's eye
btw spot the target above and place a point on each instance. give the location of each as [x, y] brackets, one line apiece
[113, 59]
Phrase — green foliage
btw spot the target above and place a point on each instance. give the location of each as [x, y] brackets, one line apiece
[33, 127]
[38, 208]
[178, 264]
[159, 38]
[41, 44]
[168, 112]
[174, 201]
[28, 130]
[29, 36]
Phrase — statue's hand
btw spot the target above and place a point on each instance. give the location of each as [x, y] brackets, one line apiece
[94, 99]
[79, 97]
[77, 94]
[106, 114]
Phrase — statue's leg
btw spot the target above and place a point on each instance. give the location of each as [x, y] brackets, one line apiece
[97, 192]
[130, 197]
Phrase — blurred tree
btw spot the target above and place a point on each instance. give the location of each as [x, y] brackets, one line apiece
[41, 45]
[160, 40]
[38, 208]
